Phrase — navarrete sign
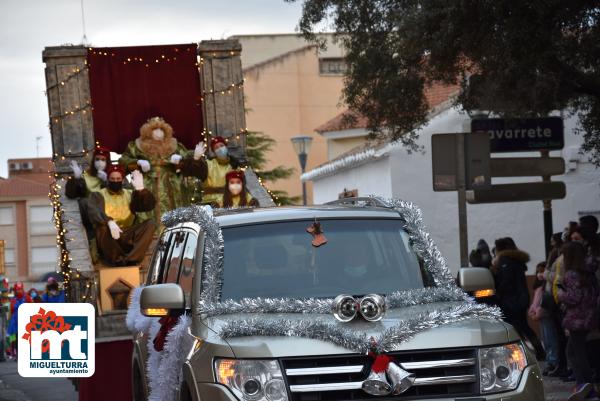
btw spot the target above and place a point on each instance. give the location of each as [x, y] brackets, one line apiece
[522, 135]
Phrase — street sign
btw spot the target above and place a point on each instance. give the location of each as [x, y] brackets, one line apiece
[477, 161]
[521, 135]
[445, 163]
[526, 166]
[530, 191]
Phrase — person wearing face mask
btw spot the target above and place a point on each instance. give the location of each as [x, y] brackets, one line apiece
[20, 297]
[91, 180]
[122, 239]
[235, 194]
[214, 171]
[169, 169]
[83, 183]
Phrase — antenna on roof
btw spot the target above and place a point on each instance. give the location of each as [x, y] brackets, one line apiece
[84, 39]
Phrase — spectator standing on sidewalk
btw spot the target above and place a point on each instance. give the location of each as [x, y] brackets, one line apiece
[552, 276]
[538, 312]
[579, 297]
[510, 266]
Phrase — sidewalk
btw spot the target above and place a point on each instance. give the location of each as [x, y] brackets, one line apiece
[557, 390]
[16, 388]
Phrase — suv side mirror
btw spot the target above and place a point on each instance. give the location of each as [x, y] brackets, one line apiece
[162, 300]
[477, 280]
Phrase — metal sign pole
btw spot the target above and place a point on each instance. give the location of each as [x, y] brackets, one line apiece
[462, 200]
[548, 226]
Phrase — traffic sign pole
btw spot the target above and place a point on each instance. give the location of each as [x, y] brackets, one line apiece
[462, 201]
[548, 226]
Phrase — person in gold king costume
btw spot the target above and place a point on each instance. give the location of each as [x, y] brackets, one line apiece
[165, 164]
[121, 239]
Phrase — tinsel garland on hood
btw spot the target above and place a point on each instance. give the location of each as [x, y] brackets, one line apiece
[337, 333]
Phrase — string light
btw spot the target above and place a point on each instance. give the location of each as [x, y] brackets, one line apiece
[75, 72]
[163, 58]
[274, 197]
[226, 90]
[68, 273]
[83, 109]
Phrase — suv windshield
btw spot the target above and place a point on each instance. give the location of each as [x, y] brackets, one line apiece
[360, 257]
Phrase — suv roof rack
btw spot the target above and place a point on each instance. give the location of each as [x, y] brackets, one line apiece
[359, 201]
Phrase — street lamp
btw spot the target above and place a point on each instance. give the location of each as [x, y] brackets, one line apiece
[301, 145]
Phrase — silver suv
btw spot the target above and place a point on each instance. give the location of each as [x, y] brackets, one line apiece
[259, 294]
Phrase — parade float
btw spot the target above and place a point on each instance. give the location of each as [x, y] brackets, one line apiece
[100, 97]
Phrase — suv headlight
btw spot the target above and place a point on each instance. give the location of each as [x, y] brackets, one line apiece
[252, 380]
[500, 368]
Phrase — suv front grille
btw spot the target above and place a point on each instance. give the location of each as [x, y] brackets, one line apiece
[440, 373]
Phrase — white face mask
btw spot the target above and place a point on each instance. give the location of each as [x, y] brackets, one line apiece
[235, 189]
[158, 134]
[100, 165]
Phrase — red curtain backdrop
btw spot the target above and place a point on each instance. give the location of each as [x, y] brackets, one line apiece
[129, 85]
[112, 378]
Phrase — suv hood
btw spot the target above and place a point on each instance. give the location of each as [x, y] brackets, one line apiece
[468, 333]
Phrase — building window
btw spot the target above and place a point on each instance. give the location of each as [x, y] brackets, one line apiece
[7, 216]
[40, 220]
[332, 66]
[44, 259]
[9, 256]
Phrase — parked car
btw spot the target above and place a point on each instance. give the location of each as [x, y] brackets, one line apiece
[364, 248]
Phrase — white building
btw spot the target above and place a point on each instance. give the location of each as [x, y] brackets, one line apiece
[387, 169]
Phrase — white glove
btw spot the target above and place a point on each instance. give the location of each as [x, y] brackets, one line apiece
[115, 230]
[144, 165]
[175, 158]
[199, 151]
[102, 175]
[77, 171]
[137, 180]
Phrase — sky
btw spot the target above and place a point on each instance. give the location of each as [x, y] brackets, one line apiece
[26, 27]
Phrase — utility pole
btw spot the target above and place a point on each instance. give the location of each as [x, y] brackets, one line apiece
[462, 200]
[548, 226]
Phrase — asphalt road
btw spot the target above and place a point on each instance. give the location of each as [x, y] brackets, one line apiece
[16, 388]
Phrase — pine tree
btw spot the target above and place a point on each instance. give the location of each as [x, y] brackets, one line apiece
[258, 145]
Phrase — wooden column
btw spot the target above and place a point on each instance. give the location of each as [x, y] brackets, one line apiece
[223, 96]
[69, 104]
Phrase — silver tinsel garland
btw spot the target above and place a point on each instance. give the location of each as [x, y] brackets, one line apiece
[398, 299]
[210, 303]
[421, 241]
[339, 334]
[423, 246]
[445, 290]
[212, 262]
